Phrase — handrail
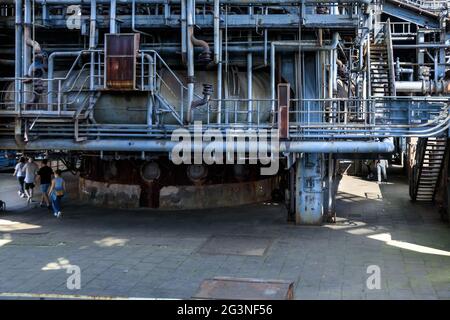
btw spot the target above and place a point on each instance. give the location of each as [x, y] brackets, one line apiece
[390, 51]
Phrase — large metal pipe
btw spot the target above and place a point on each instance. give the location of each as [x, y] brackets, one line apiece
[112, 17]
[421, 46]
[219, 82]
[385, 146]
[190, 57]
[183, 32]
[424, 87]
[18, 56]
[216, 30]
[167, 49]
[27, 37]
[92, 41]
[250, 75]
[240, 2]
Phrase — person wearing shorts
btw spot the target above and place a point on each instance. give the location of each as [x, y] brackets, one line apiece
[18, 172]
[45, 179]
[30, 169]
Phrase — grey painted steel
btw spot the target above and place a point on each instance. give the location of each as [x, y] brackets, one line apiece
[255, 2]
[190, 56]
[385, 146]
[18, 54]
[216, 30]
[238, 21]
[112, 17]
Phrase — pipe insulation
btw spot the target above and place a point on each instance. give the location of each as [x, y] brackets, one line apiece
[385, 146]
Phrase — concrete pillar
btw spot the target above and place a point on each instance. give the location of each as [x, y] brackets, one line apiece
[309, 189]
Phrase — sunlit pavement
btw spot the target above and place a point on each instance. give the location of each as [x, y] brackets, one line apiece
[160, 254]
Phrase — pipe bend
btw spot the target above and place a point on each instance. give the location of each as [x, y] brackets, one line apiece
[205, 55]
[34, 44]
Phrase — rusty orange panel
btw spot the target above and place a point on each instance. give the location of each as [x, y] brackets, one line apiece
[225, 288]
[283, 110]
[120, 61]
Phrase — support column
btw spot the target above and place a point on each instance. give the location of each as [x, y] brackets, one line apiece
[309, 189]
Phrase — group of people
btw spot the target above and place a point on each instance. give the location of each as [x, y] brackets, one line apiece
[51, 183]
[381, 166]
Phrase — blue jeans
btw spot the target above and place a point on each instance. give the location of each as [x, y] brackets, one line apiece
[44, 187]
[56, 203]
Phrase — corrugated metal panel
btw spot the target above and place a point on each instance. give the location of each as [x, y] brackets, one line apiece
[120, 61]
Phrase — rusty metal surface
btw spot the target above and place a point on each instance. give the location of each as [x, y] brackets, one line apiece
[120, 61]
[283, 110]
[245, 289]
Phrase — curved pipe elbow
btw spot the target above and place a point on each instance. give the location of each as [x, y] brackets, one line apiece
[205, 56]
[34, 44]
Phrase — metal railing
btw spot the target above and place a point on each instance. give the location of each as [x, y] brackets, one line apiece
[430, 5]
[309, 119]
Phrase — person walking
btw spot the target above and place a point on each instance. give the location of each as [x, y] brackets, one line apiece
[45, 179]
[30, 169]
[18, 172]
[56, 192]
[382, 165]
[369, 164]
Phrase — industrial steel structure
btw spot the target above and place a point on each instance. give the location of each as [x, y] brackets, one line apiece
[98, 82]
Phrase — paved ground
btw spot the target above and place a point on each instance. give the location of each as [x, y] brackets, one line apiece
[167, 254]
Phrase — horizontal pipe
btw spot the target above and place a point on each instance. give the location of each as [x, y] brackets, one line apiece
[421, 46]
[240, 2]
[385, 146]
[424, 87]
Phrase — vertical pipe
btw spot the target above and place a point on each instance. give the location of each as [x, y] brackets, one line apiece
[112, 17]
[26, 59]
[27, 36]
[265, 47]
[92, 45]
[18, 56]
[183, 31]
[250, 74]
[44, 13]
[219, 82]
[92, 42]
[216, 30]
[330, 185]
[272, 80]
[190, 7]
[330, 84]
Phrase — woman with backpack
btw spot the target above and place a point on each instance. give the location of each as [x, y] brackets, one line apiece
[56, 192]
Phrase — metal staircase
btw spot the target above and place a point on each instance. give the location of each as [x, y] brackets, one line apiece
[428, 168]
[381, 64]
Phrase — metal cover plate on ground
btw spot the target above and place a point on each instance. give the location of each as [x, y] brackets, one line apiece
[236, 245]
[245, 289]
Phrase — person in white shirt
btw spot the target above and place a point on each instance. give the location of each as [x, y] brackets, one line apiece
[20, 176]
[30, 169]
[382, 165]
